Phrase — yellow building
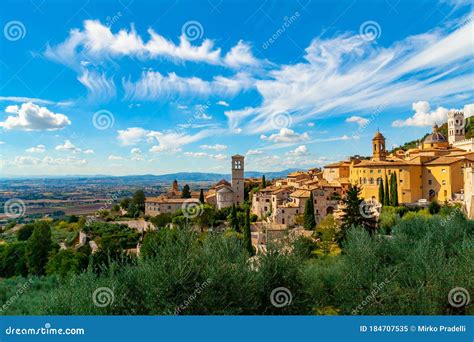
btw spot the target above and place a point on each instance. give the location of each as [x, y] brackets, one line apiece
[434, 170]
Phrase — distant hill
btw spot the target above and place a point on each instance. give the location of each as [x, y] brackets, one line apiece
[443, 129]
[168, 178]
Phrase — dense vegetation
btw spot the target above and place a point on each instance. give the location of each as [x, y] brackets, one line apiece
[407, 267]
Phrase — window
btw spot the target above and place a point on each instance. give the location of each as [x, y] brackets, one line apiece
[265, 208]
[371, 171]
[379, 171]
[443, 170]
[283, 211]
[429, 181]
[283, 221]
[315, 202]
[371, 181]
[379, 180]
[445, 193]
[297, 211]
[443, 182]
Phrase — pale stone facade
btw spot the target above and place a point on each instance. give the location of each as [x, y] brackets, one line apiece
[221, 195]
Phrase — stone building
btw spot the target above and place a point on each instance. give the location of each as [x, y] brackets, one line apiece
[223, 194]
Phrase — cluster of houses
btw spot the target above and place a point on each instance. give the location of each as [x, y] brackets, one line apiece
[439, 168]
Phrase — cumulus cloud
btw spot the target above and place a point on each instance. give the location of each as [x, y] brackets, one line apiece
[358, 120]
[300, 151]
[68, 146]
[286, 135]
[131, 136]
[424, 116]
[136, 154]
[36, 149]
[31, 117]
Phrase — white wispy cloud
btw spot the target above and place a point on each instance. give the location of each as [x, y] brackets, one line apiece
[96, 41]
[300, 151]
[153, 85]
[216, 147]
[31, 117]
[347, 73]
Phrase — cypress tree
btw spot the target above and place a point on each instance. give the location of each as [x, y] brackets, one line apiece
[381, 192]
[394, 190]
[309, 219]
[247, 232]
[234, 221]
[386, 194]
[186, 193]
[264, 182]
[201, 196]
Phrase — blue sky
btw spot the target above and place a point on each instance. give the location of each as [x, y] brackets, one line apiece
[135, 87]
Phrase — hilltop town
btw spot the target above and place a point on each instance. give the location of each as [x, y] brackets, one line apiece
[438, 169]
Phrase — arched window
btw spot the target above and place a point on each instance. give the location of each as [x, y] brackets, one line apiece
[365, 180]
[379, 180]
[371, 180]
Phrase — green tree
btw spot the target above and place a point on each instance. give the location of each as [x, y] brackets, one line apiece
[201, 196]
[393, 190]
[139, 200]
[186, 193]
[309, 219]
[66, 262]
[12, 260]
[247, 232]
[386, 194]
[38, 247]
[353, 212]
[124, 203]
[381, 192]
[234, 220]
[434, 207]
[25, 232]
[264, 182]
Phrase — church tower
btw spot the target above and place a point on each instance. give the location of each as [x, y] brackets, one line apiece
[238, 178]
[378, 147]
[456, 129]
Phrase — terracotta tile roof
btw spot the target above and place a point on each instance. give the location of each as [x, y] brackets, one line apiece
[300, 193]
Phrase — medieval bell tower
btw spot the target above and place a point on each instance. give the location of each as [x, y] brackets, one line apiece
[238, 178]
[378, 147]
[456, 130]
